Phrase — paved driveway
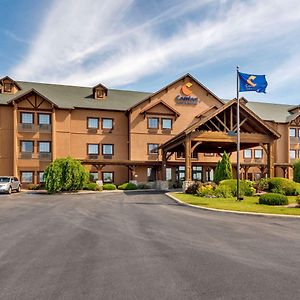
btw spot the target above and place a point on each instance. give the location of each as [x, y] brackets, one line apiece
[142, 246]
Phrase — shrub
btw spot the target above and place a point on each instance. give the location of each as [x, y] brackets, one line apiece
[65, 174]
[246, 187]
[262, 184]
[109, 186]
[298, 200]
[92, 186]
[127, 186]
[193, 188]
[284, 186]
[223, 169]
[273, 199]
[296, 167]
[223, 191]
[33, 186]
[206, 191]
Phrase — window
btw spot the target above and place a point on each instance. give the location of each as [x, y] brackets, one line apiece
[41, 177]
[27, 177]
[168, 173]
[107, 149]
[292, 154]
[108, 177]
[153, 123]
[153, 148]
[107, 123]
[258, 153]
[151, 174]
[7, 87]
[247, 153]
[92, 123]
[44, 119]
[180, 173]
[293, 132]
[26, 118]
[166, 123]
[93, 176]
[93, 149]
[197, 173]
[99, 93]
[44, 147]
[27, 146]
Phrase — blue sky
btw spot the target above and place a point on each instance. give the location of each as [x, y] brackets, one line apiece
[144, 45]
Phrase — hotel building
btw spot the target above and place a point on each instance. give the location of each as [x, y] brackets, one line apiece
[173, 134]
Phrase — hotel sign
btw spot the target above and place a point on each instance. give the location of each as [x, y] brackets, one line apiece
[187, 98]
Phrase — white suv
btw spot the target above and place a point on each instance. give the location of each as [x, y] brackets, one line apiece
[9, 184]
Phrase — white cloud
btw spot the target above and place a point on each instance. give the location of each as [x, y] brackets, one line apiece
[86, 42]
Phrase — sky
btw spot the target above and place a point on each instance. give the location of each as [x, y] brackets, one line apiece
[146, 44]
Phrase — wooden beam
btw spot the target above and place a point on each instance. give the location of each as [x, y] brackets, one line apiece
[195, 146]
[188, 164]
[231, 119]
[235, 126]
[215, 125]
[222, 123]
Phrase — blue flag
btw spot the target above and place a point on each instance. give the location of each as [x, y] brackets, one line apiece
[250, 82]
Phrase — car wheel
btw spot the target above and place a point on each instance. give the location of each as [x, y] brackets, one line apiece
[9, 190]
[19, 189]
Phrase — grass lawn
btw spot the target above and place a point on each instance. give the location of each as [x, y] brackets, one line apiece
[249, 204]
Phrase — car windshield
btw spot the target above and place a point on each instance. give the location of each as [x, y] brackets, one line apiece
[4, 179]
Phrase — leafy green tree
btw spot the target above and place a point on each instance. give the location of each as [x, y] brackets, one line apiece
[223, 169]
[296, 167]
[65, 174]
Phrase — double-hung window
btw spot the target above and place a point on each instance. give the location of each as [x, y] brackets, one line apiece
[27, 146]
[107, 123]
[247, 153]
[26, 118]
[93, 123]
[258, 153]
[108, 177]
[44, 147]
[93, 149]
[107, 149]
[166, 123]
[153, 148]
[44, 119]
[153, 123]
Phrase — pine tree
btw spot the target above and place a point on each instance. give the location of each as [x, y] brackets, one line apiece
[223, 169]
[296, 167]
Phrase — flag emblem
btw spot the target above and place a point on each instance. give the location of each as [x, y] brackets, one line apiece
[250, 82]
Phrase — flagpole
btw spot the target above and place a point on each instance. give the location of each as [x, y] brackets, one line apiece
[238, 135]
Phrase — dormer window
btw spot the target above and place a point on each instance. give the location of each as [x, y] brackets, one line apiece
[99, 94]
[8, 85]
[99, 91]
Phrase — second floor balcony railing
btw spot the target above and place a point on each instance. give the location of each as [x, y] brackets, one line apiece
[44, 128]
[43, 156]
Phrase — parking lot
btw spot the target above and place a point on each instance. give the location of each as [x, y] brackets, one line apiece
[141, 246]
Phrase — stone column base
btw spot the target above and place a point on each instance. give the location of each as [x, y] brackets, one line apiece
[162, 185]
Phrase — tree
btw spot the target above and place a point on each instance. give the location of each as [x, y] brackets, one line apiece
[223, 169]
[65, 174]
[296, 167]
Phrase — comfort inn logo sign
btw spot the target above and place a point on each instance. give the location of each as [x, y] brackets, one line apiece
[186, 97]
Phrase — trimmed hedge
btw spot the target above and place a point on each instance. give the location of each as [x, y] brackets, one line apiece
[109, 186]
[246, 187]
[127, 186]
[273, 199]
[284, 186]
[92, 186]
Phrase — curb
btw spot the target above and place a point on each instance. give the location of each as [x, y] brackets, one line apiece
[231, 211]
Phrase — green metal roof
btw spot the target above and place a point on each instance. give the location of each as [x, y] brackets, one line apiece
[69, 97]
[82, 97]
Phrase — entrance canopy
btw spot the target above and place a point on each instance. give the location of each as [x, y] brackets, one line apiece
[217, 133]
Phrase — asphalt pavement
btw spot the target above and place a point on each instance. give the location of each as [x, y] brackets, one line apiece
[142, 246]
